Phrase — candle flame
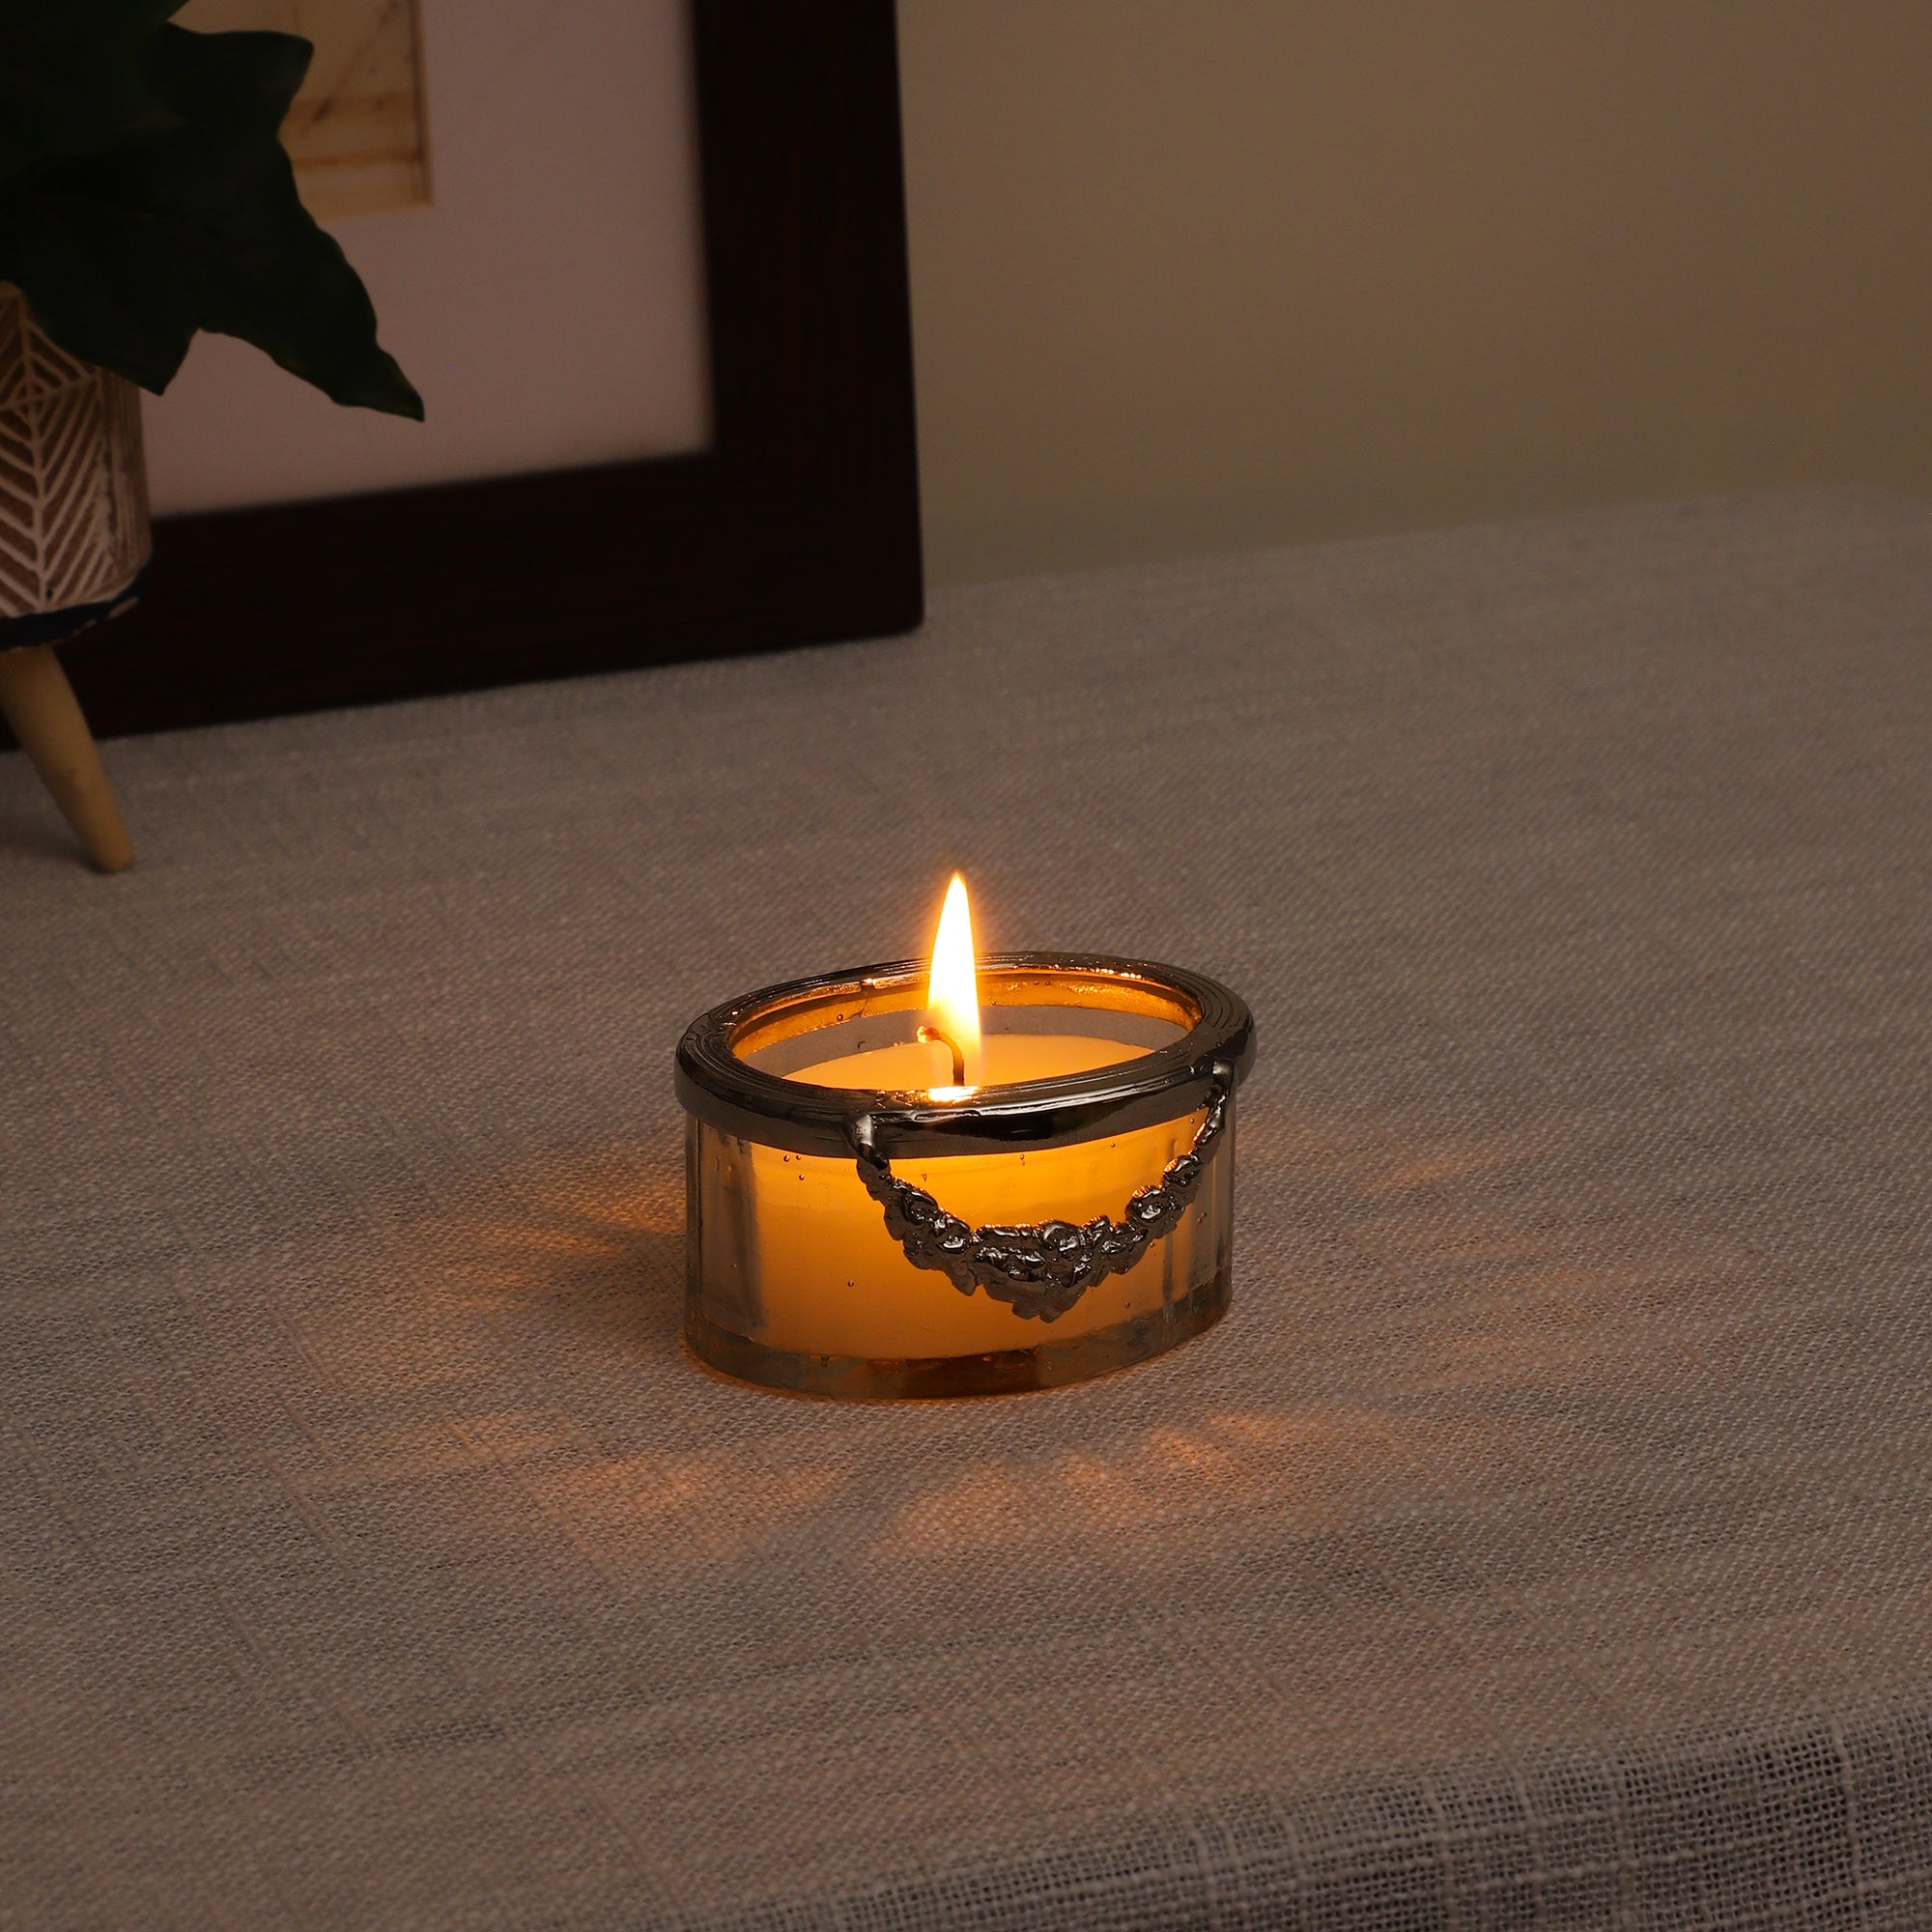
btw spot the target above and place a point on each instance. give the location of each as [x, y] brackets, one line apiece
[953, 993]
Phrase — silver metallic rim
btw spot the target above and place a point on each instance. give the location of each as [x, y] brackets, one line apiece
[726, 1092]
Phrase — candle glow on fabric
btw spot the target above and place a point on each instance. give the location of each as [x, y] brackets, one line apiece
[813, 1269]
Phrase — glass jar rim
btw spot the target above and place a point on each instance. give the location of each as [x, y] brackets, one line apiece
[717, 1085]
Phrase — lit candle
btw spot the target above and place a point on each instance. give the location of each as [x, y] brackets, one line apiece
[950, 1040]
[1090, 1224]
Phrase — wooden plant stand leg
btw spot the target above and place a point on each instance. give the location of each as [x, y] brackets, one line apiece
[38, 703]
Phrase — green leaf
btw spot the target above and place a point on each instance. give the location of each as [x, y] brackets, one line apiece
[123, 255]
[72, 79]
[239, 82]
[101, 281]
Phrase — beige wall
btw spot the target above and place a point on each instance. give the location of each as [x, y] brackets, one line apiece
[1192, 275]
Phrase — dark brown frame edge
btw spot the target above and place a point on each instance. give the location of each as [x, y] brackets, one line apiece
[798, 525]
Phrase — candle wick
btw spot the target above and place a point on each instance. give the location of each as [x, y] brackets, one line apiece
[932, 1036]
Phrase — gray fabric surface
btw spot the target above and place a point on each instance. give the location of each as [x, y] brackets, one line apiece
[1544, 1538]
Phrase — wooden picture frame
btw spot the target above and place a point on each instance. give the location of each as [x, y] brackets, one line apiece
[798, 524]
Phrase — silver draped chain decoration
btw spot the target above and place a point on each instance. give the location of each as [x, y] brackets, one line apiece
[1038, 1271]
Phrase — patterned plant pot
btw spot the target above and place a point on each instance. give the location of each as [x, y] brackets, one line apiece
[74, 488]
[73, 550]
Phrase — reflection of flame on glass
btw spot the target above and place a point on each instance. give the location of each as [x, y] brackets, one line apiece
[953, 995]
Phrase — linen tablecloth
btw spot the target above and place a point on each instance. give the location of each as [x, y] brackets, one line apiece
[1544, 1539]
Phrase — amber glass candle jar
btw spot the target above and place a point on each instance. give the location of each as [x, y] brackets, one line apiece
[854, 1230]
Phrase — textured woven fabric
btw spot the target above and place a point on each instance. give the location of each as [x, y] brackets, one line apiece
[1544, 1537]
